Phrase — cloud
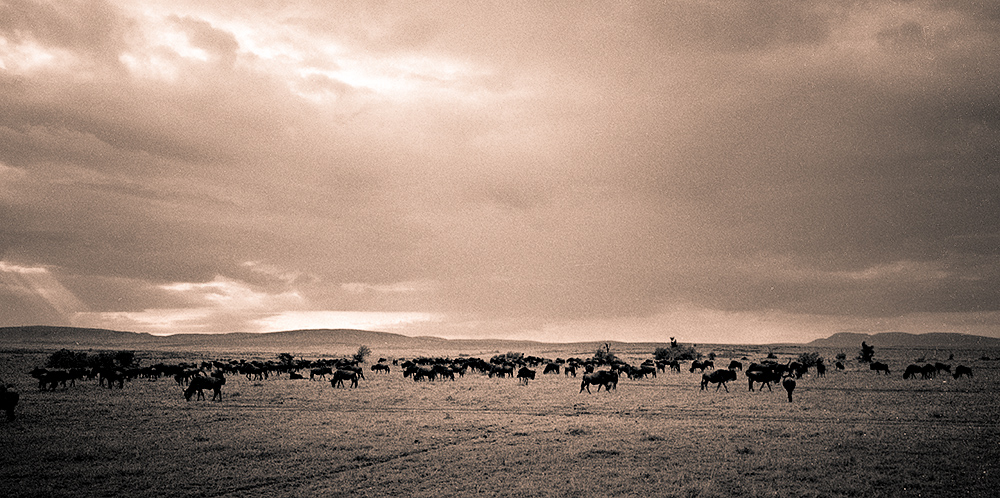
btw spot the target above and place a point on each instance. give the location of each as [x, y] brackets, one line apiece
[512, 170]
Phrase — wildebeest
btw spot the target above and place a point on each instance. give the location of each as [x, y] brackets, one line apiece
[735, 365]
[295, 376]
[200, 383]
[879, 367]
[839, 365]
[789, 384]
[605, 378]
[912, 371]
[962, 370]
[551, 368]
[8, 401]
[762, 374]
[820, 369]
[341, 375]
[569, 370]
[524, 374]
[320, 372]
[719, 378]
[701, 365]
[380, 367]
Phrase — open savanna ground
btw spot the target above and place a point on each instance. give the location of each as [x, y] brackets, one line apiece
[850, 433]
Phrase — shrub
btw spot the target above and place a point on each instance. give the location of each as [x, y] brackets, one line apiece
[810, 359]
[65, 358]
[679, 353]
[363, 352]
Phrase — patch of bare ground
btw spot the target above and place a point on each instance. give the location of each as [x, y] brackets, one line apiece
[847, 434]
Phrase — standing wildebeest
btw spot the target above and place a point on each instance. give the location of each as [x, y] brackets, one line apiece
[8, 401]
[200, 383]
[763, 374]
[839, 365]
[524, 374]
[551, 368]
[962, 370]
[820, 369]
[879, 367]
[912, 371]
[789, 385]
[719, 378]
[343, 374]
[735, 365]
[320, 372]
[380, 367]
[569, 370]
[605, 378]
[701, 365]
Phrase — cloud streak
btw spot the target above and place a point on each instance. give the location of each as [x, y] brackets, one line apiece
[754, 172]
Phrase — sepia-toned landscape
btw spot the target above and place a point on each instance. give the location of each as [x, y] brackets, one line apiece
[848, 433]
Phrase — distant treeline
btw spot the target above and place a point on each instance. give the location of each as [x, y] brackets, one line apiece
[65, 358]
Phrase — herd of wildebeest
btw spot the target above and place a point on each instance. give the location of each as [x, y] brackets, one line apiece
[603, 372]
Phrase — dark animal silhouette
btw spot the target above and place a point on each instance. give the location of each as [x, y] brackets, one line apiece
[605, 378]
[735, 365]
[839, 365]
[820, 369]
[962, 370]
[200, 383]
[912, 371]
[789, 384]
[701, 365]
[8, 401]
[551, 368]
[719, 378]
[380, 367]
[341, 375]
[524, 374]
[879, 367]
[764, 375]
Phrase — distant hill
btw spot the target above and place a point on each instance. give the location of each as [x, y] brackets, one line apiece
[347, 341]
[320, 341]
[906, 340]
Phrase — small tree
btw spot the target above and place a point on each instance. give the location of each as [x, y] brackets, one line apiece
[867, 353]
[65, 358]
[810, 359]
[363, 352]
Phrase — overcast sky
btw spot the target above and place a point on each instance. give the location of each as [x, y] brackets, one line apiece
[714, 171]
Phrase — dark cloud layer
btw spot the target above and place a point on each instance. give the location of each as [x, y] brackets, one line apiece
[726, 171]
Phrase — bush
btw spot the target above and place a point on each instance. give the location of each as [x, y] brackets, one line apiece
[65, 358]
[810, 359]
[363, 352]
[678, 353]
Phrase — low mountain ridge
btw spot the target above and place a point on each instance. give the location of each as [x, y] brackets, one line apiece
[907, 340]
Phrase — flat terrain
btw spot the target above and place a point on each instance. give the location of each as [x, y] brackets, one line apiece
[850, 433]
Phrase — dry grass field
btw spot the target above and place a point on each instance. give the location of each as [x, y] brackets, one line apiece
[850, 433]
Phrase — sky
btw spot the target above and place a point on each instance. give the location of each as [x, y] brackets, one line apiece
[715, 171]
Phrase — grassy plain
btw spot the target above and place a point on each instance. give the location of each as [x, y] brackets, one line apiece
[851, 433]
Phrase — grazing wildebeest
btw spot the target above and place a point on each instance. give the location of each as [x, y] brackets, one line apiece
[605, 378]
[912, 371]
[735, 365]
[8, 401]
[200, 383]
[569, 370]
[674, 366]
[642, 371]
[839, 365]
[701, 365]
[501, 371]
[962, 370]
[320, 372]
[551, 368]
[341, 375]
[295, 376]
[380, 367]
[719, 378]
[524, 374]
[879, 367]
[762, 374]
[942, 367]
[789, 385]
